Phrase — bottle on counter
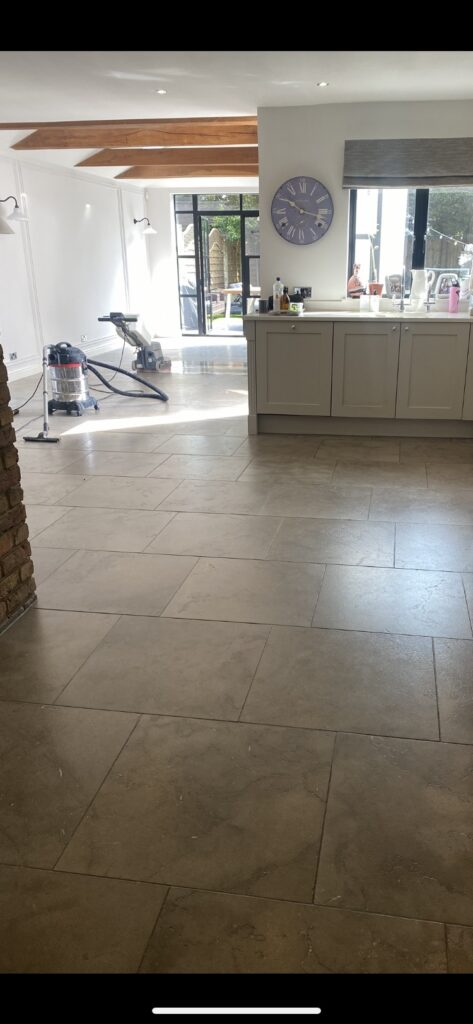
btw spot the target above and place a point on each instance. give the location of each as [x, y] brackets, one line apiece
[454, 298]
[278, 289]
[285, 301]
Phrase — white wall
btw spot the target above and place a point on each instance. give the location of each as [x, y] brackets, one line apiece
[162, 314]
[310, 140]
[79, 256]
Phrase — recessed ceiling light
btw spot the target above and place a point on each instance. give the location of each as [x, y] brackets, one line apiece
[161, 92]
[322, 85]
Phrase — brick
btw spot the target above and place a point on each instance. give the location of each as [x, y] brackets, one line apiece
[21, 533]
[6, 542]
[26, 570]
[9, 584]
[7, 435]
[15, 517]
[6, 416]
[3, 504]
[15, 495]
[14, 559]
[3, 374]
[3, 611]
[8, 478]
[9, 457]
[4, 394]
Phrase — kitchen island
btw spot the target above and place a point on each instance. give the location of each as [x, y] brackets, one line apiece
[386, 373]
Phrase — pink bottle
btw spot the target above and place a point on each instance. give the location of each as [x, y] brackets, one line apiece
[453, 298]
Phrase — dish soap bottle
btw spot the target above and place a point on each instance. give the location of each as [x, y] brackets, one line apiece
[278, 289]
[284, 305]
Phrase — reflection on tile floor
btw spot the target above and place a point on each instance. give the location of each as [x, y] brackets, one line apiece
[237, 729]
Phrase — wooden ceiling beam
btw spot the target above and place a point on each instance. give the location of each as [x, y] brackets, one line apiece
[184, 171]
[182, 132]
[249, 119]
[218, 156]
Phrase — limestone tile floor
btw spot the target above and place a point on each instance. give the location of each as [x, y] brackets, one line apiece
[237, 728]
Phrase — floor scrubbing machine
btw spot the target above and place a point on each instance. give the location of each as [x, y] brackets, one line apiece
[150, 355]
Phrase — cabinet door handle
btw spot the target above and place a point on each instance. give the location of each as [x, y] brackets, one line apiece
[406, 328]
[293, 327]
[394, 328]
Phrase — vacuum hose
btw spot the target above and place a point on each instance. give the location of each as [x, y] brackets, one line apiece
[126, 394]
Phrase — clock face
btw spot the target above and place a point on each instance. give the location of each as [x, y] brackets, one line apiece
[302, 210]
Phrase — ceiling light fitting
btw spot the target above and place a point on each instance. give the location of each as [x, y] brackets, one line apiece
[322, 85]
[147, 230]
[16, 214]
[161, 92]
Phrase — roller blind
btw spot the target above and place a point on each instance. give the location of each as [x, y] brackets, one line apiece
[407, 163]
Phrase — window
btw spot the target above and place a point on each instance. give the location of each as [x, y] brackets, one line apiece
[392, 228]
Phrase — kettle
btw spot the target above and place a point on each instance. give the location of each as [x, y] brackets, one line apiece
[421, 284]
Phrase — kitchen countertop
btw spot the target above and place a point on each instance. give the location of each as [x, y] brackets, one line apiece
[328, 314]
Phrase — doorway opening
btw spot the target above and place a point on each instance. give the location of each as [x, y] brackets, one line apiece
[218, 252]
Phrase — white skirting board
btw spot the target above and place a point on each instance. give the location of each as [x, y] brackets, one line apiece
[33, 364]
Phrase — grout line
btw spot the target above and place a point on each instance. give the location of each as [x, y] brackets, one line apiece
[319, 853]
[238, 895]
[318, 597]
[255, 673]
[466, 600]
[436, 690]
[155, 925]
[97, 791]
[83, 663]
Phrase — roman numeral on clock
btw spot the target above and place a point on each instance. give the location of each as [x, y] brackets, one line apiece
[302, 185]
[291, 189]
[301, 235]
[291, 231]
[322, 197]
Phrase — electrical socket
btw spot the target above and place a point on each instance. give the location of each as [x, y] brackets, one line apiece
[83, 338]
[12, 355]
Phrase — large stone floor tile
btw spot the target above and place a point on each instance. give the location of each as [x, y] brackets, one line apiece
[45, 458]
[422, 506]
[397, 837]
[321, 501]
[238, 934]
[355, 682]
[393, 601]
[334, 540]
[121, 492]
[200, 444]
[434, 547]
[98, 463]
[54, 923]
[210, 804]
[460, 949]
[104, 529]
[48, 488]
[380, 474]
[436, 449]
[279, 469]
[281, 446]
[216, 534]
[201, 467]
[468, 585]
[240, 590]
[124, 583]
[40, 653]
[47, 560]
[217, 496]
[358, 449]
[38, 517]
[449, 476]
[454, 670]
[170, 667]
[53, 762]
[123, 441]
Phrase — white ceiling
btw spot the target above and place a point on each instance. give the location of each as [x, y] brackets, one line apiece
[84, 85]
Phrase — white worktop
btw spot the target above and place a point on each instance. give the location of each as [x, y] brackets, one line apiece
[341, 315]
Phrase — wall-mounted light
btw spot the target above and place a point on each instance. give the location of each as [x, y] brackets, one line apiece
[16, 214]
[148, 230]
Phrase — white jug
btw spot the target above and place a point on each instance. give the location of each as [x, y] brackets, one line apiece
[421, 282]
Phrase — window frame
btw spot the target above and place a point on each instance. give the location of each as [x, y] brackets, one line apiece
[421, 211]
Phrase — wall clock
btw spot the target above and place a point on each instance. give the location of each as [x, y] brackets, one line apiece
[302, 210]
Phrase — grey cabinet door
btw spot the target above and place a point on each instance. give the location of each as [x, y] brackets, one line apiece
[294, 367]
[365, 365]
[432, 370]
[468, 400]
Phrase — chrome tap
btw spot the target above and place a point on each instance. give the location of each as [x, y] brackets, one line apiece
[429, 300]
[403, 288]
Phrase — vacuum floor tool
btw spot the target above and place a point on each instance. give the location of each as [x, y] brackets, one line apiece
[149, 353]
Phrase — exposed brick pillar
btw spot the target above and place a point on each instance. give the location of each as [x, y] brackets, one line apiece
[17, 586]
